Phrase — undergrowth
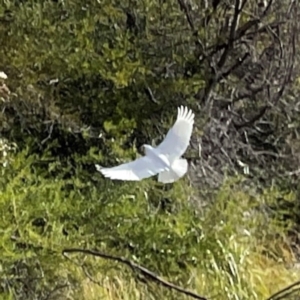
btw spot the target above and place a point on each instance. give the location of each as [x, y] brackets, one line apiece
[231, 249]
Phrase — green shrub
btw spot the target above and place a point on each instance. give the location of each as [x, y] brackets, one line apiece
[226, 246]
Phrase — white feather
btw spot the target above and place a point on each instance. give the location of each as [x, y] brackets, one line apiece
[178, 137]
[178, 169]
[138, 169]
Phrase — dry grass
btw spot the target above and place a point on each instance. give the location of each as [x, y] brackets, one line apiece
[264, 277]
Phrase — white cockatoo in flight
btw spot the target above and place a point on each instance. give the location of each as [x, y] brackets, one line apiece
[164, 160]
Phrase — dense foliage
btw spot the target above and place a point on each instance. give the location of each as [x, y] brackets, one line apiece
[91, 82]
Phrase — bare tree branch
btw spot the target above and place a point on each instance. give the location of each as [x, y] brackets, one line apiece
[234, 24]
[253, 119]
[286, 292]
[151, 275]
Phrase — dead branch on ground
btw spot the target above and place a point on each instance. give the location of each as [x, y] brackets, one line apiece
[135, 267]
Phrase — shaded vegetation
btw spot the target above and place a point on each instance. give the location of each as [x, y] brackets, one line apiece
[91, 82]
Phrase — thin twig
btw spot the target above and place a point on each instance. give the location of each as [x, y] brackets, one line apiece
[135, 266]
[287, 290]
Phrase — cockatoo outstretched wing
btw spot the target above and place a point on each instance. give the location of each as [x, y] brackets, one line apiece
[178, 137]
[138, 169]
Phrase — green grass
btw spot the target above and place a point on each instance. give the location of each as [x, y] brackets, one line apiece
[229, 250]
